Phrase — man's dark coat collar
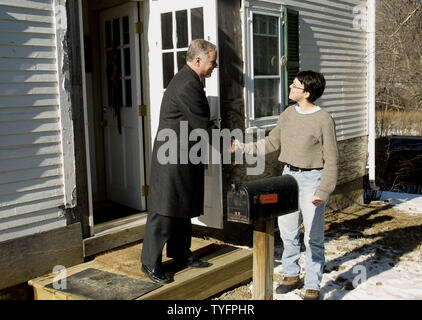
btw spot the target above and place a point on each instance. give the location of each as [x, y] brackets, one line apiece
[189, 69]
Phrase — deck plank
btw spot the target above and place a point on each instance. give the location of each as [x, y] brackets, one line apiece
[230, 265]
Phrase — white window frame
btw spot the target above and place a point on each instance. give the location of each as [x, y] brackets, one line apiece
[176, 50]
[249, 8]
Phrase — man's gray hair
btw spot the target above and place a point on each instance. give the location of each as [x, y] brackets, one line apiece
[199, 47]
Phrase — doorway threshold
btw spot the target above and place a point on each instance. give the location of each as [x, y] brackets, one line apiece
[112, 225]
[116, 233]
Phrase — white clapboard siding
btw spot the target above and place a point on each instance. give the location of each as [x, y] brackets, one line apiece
[28, 88]
[29, 151]
[29, 207]
[30, 174]
[26, 26]
[27, 52]
[19, 127]
[26, 14]
[24, 230]
[21, 38]
[13, 64]
[31, 156]
[12, 188]
[39, 4]
[22, 197]
[28, 113]
[31, 218]
[30, 138]
[29, 162]
[28, 77]
[28, 101]
[330, 43]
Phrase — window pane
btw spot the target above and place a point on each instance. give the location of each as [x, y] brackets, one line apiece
[167, 30]
[117, 93]
[126, 54]
[181, 59]
[182, 28]
[116, 32]
[168, 68]
[125, 30]
[197, 23]
[118, 63]
[108, 34]
[128, 93]
[266, 45]
[109, 92]
[266, 97]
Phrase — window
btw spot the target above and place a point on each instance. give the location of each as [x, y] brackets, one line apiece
[178, 28]
[266, 66]
[271, 62]
[119, 78]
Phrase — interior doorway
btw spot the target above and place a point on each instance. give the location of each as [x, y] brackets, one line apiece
[114, 96]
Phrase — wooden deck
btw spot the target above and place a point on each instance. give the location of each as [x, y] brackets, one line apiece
[230, 266]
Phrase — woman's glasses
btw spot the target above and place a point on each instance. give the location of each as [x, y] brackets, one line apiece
[296, 87]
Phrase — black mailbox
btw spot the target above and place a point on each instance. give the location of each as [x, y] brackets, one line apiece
[262, 199]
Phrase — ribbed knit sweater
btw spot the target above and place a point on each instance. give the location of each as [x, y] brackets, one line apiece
[305, 140]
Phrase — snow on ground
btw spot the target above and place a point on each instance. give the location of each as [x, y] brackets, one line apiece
[363, 267]
[410, 203]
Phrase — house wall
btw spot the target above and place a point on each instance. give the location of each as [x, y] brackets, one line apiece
[42, 162]
[33, 191]
[331, 41]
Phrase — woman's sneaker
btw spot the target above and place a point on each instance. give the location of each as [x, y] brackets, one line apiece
[288, 284]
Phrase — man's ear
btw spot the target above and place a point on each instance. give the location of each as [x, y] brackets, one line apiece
[306, 95]
[198, 60]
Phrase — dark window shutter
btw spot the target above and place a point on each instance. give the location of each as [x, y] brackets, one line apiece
[291, 49]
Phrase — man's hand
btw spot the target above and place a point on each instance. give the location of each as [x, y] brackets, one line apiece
[237, 146]
[317, 201]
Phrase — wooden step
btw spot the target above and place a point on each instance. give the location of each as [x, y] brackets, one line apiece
[230, 266]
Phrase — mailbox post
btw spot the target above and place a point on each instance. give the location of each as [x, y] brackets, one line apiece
[263, 259]
[259, 202]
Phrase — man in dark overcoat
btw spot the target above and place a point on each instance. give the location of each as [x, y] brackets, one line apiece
[177, 185]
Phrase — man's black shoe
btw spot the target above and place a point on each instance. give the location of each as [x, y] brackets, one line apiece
[156, 275]
[192, 262]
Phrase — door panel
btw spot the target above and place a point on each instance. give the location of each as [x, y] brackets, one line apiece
[121, 85]
[172, 25]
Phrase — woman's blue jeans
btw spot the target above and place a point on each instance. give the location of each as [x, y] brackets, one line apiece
[313, 221]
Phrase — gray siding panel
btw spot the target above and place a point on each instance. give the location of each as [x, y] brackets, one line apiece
[330, 44]
[31, 159]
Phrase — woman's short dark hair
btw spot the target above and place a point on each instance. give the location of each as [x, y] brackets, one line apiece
[313, 82]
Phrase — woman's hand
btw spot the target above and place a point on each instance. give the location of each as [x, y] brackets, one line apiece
[237, 146]
[317, 201]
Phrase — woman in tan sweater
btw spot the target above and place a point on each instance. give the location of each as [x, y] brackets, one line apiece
[305, 135]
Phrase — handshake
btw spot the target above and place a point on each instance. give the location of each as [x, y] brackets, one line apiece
[237, 146]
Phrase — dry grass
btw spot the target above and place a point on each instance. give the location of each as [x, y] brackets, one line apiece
[398, 122]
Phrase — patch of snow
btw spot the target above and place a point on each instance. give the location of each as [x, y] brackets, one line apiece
[410, 203]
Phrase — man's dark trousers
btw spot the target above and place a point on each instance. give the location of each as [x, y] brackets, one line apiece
[159, 229]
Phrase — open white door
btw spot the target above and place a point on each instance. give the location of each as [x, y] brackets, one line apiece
[121, 88]
[172, 25]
